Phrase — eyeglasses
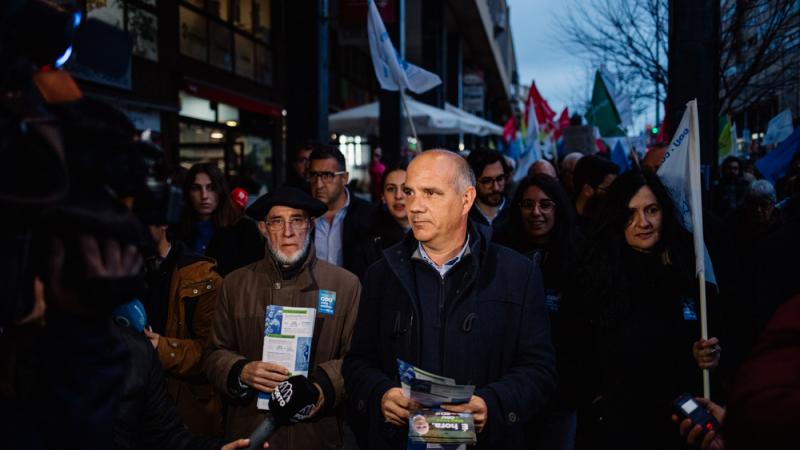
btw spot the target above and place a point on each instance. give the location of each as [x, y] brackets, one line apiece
[327, 177]
[297, 223]
[488, 181]
[544, 205]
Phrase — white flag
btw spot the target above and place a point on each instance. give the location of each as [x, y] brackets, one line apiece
[680, 173]
[393, 73]
[779, 128]
[531, 152]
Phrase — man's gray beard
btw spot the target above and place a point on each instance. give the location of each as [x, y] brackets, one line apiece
[293, 258]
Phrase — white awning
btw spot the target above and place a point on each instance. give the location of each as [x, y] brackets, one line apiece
[473, 123]
[363, 120]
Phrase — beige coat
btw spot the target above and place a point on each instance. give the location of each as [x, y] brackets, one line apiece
[238, 330]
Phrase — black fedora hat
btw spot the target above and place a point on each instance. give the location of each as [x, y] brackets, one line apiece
[286, 196]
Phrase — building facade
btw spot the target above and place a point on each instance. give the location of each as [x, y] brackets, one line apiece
[243, 82]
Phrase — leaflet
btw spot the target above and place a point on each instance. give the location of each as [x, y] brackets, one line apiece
[288, 332]
[431, 390]
[435, 428]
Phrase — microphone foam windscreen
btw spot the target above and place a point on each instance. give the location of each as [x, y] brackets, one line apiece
[293, 400]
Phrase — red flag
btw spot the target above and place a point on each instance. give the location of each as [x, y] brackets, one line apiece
[601, 147]
[544, 114]
[563, 122]
[509, 130]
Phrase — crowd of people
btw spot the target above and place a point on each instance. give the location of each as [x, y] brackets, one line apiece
[569, 300]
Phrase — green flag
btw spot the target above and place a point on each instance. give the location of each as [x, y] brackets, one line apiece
[725, 139]
[603, 113]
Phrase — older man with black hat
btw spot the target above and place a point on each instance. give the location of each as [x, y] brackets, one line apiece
[289, 275]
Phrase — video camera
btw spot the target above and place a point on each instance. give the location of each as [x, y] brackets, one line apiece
[74, 166]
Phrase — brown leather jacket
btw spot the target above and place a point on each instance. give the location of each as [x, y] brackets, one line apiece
[238, 336]
[182, 346]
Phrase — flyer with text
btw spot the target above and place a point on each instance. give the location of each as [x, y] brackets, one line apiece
[288, 332]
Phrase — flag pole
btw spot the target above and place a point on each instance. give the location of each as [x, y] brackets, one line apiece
[408, 115]
[704, 332]
[635, 156]
[697, 224]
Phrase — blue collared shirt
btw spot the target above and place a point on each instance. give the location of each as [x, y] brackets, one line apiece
[499, 208]
[444, 268]
[328, 237]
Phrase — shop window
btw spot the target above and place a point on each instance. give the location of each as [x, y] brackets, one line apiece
[356, 152]
[109, 11]
[245, 64]
[218, 8]
[263, 65]
[256, 163]
[243, 14]
[229, 34]
[143, 26]
[227, 114]
[196, 107]
[199, 143]
[262, 20]
[194, 37]
[141, 22]
[221, 54]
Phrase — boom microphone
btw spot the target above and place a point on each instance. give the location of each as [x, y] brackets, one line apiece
[292, 401]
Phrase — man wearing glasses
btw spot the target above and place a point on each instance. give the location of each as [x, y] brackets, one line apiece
[491, 172]
[289, 275]
[348, 217]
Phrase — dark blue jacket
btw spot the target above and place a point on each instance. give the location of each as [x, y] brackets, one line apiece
[497, 337]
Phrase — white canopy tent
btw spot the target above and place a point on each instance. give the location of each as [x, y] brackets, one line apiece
[363, 120]
[473, 124]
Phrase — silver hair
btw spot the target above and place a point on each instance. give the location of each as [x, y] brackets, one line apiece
[464, 177]
[762, 189]
[285, 260]
[574, 156]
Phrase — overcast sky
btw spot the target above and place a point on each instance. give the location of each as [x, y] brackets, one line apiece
[561, 77]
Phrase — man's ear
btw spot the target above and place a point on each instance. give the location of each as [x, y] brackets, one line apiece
[346, 178]
[469, 198]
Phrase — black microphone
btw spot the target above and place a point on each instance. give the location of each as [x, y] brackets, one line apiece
[292, 401]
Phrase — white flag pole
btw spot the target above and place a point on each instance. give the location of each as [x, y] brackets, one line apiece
[697, 224]
[704, 333]
[408, 114]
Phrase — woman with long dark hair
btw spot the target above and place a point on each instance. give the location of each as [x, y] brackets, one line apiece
[212, 226]
[390, 222]
[631, 321]
[542, 226]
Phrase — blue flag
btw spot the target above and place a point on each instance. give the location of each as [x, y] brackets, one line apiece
[620, 157]
[774, 165]
[514, 148]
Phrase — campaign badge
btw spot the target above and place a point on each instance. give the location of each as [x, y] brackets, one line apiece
[326, 304]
